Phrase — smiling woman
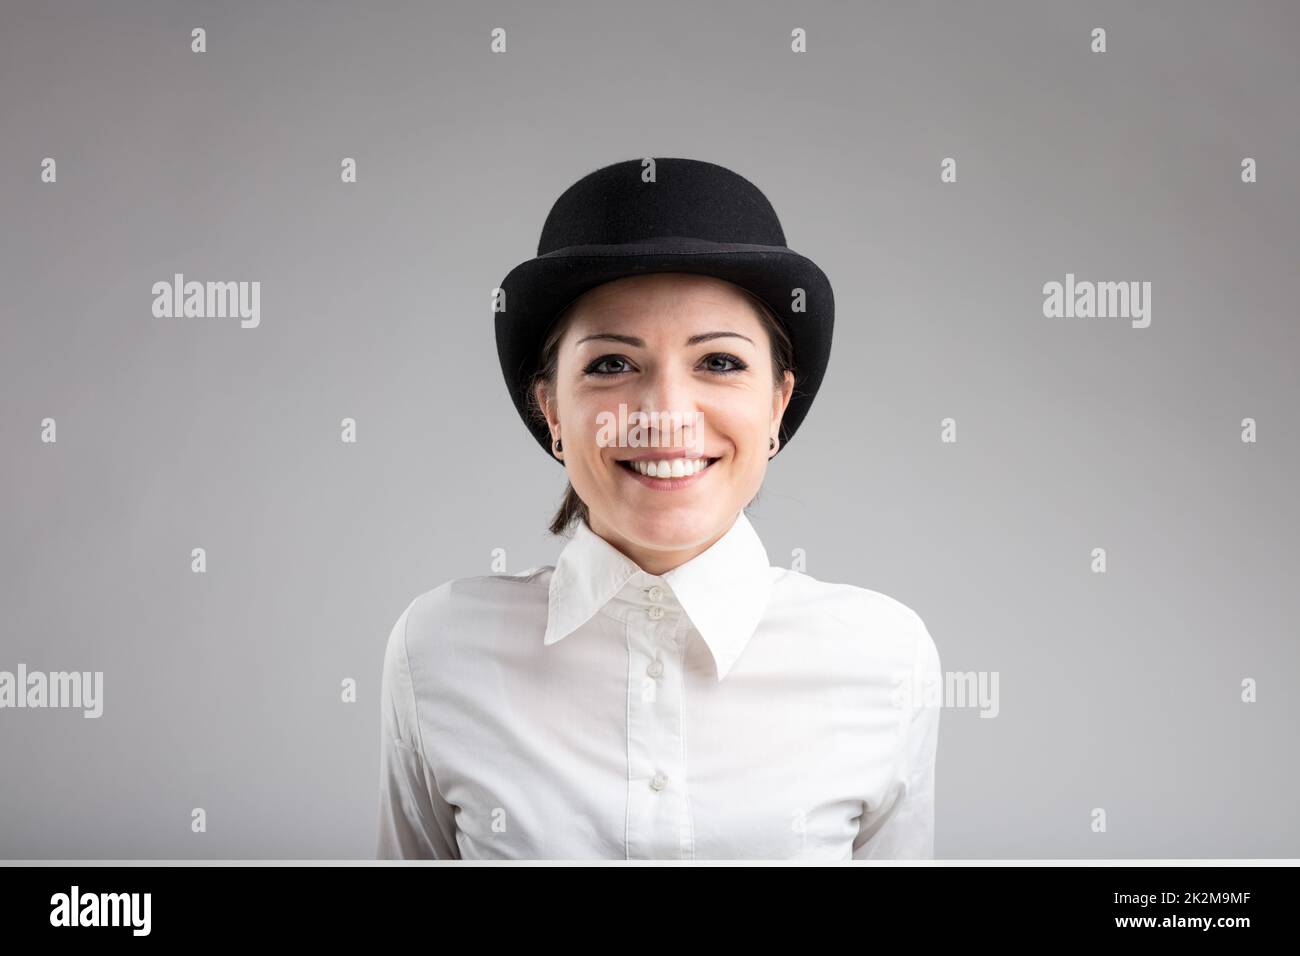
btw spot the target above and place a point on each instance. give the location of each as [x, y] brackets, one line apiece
[662, 690]
[673, 291]
[672, 329]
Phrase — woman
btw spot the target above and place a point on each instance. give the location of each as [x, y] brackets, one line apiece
[662, 691]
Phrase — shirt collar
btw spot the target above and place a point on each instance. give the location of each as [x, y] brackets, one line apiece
[723, 590]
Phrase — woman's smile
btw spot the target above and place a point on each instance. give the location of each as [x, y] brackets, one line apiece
[666, 474]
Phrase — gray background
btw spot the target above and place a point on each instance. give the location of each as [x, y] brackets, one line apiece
[1118, 691]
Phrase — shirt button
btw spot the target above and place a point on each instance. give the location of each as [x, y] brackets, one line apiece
[656, 668]
[656, 613]
[658, 782]
[656, 593]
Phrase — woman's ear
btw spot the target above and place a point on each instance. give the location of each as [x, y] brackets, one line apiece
[781, 399]
[546, 405]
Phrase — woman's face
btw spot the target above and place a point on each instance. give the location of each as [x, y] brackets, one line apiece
[692, 349]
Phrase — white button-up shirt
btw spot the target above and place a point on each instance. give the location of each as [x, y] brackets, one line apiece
[726, 709]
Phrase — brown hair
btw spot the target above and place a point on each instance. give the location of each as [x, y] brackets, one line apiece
[573, 508]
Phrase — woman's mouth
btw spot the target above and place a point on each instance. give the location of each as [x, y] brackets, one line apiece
[667, 474]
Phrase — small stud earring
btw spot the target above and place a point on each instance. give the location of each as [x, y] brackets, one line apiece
[558, 446]
[771, 444]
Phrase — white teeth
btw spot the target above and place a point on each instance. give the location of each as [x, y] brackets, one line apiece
[671, 468]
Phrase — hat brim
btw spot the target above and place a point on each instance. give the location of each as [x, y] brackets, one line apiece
[537, 290]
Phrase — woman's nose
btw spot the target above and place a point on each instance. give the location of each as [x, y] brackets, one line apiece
[668, 392]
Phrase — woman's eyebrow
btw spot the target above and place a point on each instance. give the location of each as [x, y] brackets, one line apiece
[640, 343]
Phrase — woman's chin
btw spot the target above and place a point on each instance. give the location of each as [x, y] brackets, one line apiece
[667, 526]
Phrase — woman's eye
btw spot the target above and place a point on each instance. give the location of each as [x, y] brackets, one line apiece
[596, 367]
[720, 363]
[736, 364]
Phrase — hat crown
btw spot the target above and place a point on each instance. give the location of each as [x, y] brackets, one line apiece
[688, 198]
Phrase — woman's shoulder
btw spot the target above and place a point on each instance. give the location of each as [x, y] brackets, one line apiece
[840, 597]
[478, 600]
[859, 610]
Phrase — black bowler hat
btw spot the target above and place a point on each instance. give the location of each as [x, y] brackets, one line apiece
[694, 217]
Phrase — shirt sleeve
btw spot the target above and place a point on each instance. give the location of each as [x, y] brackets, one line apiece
[903, 827]
[415, 822]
